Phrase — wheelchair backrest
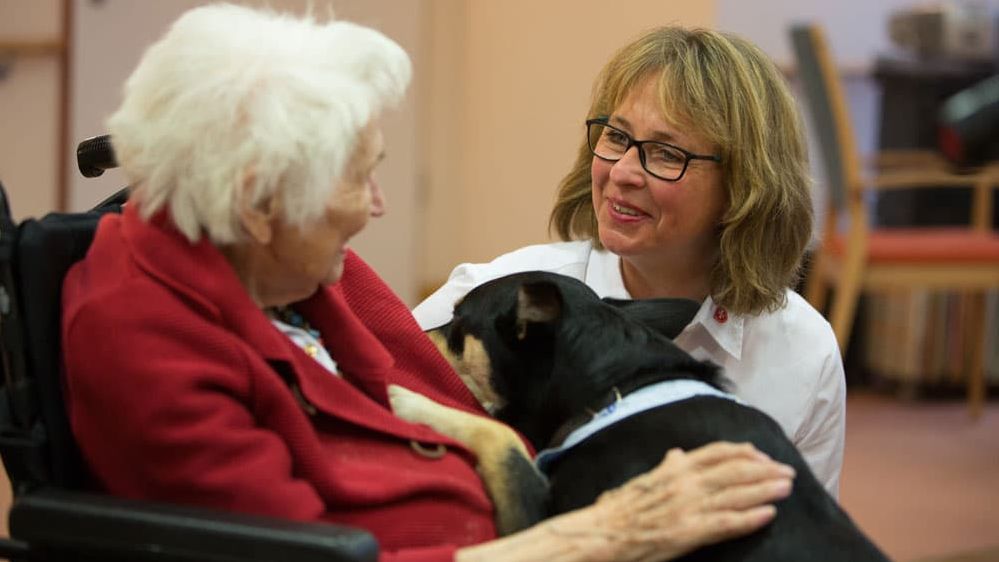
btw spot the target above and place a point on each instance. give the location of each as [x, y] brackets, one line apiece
[36, 443]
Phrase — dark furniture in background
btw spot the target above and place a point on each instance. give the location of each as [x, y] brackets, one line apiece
[858, 255]
[912, 93]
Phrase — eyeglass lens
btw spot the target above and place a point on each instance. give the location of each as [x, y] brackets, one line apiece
[659, 159]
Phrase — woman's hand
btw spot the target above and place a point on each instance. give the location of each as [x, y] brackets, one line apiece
[717, 492]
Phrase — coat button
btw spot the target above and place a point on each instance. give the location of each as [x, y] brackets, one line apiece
[434, 451]
[721, 315]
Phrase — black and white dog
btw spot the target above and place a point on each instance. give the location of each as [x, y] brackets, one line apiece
[600, 389]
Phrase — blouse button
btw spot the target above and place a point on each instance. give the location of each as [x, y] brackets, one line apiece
[721, 315]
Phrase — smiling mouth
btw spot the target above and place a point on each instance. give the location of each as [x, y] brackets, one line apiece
[625, 210]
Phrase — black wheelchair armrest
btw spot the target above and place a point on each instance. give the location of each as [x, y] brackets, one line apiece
[53, 523]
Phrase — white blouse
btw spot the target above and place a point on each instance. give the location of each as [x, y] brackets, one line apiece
[309, 343]
[786, 363]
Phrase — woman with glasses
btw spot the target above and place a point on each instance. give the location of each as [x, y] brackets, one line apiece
[691, 181]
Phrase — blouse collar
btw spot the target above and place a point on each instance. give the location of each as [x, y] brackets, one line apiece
[603, 275]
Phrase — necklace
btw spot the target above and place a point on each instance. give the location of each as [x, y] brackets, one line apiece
[292, 318]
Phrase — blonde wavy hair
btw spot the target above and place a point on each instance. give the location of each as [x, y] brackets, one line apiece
[735, 97]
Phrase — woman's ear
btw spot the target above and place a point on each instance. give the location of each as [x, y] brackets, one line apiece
[256, 219]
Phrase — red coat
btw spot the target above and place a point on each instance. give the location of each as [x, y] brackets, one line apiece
[180, 389]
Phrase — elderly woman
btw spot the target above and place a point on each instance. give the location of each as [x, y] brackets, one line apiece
[223, 347]
[691, 181]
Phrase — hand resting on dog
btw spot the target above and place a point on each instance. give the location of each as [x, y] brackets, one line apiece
[717, 492]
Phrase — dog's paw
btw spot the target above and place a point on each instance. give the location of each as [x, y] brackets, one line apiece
[417, 408]
[409, 405]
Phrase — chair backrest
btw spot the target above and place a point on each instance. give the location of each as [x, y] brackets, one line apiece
[35, 438]
[827, 107]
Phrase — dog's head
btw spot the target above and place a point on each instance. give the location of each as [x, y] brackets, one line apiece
[538, 348]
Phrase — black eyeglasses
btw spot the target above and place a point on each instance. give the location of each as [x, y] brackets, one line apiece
[662, 160]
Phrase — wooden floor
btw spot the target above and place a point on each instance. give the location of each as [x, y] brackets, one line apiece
[922, 479]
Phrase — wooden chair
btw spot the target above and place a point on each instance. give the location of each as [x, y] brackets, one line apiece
[855, 256]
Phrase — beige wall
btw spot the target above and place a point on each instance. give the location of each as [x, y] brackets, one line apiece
[510, 87]
[29, 103]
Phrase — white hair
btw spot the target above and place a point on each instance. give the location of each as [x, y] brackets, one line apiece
[231, 93]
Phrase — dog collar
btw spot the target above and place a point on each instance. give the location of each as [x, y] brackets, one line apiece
[645, 398]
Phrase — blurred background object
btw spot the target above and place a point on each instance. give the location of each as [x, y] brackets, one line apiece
[955, 29]
[855, 255]
[969, 124]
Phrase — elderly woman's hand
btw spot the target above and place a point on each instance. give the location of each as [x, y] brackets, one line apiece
[717, 492]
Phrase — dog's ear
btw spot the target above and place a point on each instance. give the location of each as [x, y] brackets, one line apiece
[537, 302]
[668, 316]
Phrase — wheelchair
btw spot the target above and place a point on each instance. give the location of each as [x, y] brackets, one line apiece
[54, 516]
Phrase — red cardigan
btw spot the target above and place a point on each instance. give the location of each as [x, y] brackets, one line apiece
[180, 389]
